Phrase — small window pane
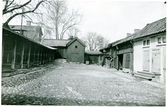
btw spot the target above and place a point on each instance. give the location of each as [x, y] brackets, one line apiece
[148, 42]
[164, 39]
[144, 43]
[159, 40]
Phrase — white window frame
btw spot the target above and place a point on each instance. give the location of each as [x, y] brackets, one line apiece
[161, 41]
[146, 41]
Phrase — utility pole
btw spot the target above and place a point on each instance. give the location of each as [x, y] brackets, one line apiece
[21, 21]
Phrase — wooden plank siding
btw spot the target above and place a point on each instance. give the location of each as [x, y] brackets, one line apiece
[75, 52]
[21, 52]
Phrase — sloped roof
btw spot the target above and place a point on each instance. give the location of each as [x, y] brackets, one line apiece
[9, 30]
[93, 52]
[26, 28]
[73, 40]
[56, 42]
[152, 28]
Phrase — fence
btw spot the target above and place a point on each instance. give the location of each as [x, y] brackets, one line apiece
[20, 52]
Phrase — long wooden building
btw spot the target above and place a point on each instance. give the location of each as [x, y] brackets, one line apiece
[19, 51]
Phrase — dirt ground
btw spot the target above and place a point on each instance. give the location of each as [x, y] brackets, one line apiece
[62, 83]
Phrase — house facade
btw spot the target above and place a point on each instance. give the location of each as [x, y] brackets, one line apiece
[150, 49]
[33, 32]
[142, 53]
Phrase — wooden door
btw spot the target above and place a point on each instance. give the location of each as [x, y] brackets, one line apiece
[75, 57]
[146, 60]
[156, 61]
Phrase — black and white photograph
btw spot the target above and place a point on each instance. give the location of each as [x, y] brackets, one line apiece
[83, 52]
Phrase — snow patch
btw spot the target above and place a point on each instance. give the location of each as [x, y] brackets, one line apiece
[73, 91]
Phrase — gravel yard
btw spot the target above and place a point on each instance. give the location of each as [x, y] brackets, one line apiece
[61, 83]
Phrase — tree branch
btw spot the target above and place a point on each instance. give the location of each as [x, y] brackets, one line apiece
[30, 11]
[7, 11]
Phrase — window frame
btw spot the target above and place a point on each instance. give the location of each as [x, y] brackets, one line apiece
[146, 42]
[161, 40]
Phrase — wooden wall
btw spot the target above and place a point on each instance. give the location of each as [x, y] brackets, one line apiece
[20, 52]
[75, 52]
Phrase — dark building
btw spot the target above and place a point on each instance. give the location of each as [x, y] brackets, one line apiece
[72, 49]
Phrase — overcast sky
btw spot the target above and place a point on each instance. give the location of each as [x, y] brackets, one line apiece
[114, 19]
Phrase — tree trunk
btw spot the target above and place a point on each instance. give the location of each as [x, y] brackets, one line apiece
[57, 33]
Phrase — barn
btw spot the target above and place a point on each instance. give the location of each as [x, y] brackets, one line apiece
[72, 49]
[93, 57]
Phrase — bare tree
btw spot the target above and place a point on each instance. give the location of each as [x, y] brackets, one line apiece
[94, 41]
[60, 19]
[73, 32]
[11, 6]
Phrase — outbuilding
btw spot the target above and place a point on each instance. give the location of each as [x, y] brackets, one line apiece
[72, 49]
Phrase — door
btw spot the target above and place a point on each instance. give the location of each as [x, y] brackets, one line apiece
[156, 61]
[127, 60]
[75, 57]
[146, 60]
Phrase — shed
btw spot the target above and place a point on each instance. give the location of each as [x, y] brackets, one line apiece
[71, 49]
[94, 57]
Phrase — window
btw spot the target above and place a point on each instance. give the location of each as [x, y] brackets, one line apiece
[76, 46]
[146, 42]
[161, 40]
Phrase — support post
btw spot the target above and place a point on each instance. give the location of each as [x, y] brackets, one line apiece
[22, 56]
[14, 55]
[34, 55]
[29, 56]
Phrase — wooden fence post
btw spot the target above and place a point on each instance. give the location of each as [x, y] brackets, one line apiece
[22, 56]
[14, 55]
[29, 56]
[34, 55]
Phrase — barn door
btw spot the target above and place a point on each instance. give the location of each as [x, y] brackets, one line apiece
[156, 60]
[75, 57]
[146, 60]
[127, 60]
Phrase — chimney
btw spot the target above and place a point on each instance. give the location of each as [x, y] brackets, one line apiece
[28, 23]
[128, 34]
[136, 30]
[70, 38]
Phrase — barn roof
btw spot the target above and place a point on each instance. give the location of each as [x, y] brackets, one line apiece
[61, 42]
[26, 28]
[93, 52]
[56, 42]
[73, 40]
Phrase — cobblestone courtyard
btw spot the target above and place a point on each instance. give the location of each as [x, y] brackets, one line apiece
[79, 84]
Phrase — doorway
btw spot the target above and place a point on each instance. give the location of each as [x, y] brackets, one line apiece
[120, 61]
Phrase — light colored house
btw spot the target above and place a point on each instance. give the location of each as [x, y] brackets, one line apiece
[149, 49]
[32, 32]
[72, 49]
